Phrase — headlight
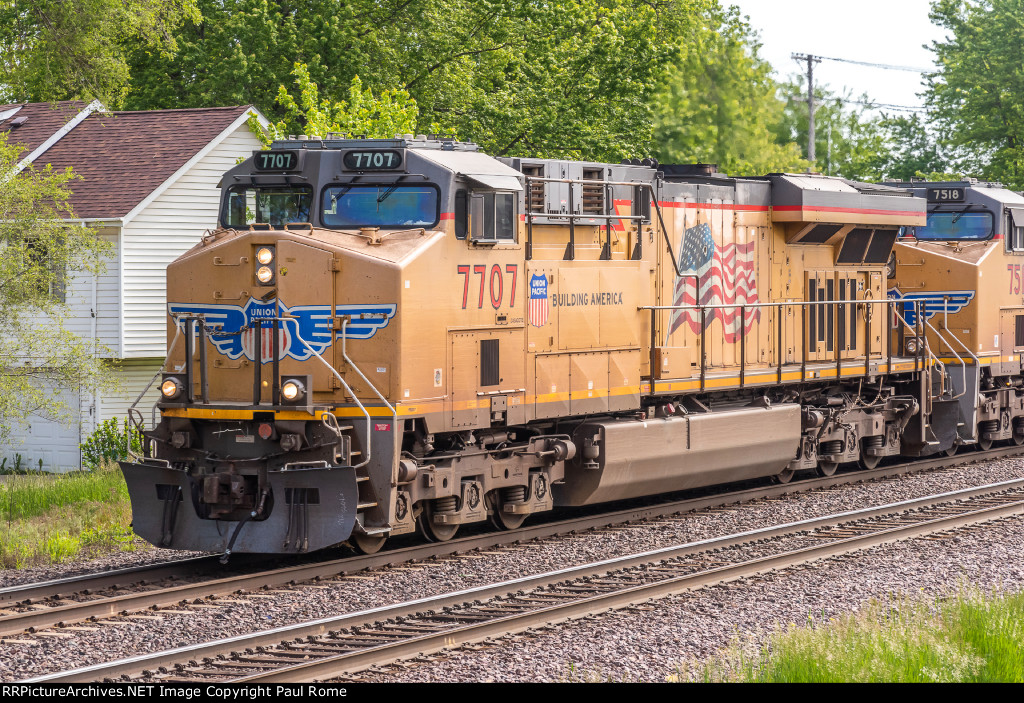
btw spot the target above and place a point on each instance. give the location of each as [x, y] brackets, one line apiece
[171, 388]
[265, 274]
[293, 390]
[913, 344]
[265, 255]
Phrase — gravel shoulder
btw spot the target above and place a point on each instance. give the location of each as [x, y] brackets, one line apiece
[630, 646]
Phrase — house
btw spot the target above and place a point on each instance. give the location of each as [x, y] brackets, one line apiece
[148, 183]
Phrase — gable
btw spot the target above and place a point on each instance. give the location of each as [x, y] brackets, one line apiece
[120, 158]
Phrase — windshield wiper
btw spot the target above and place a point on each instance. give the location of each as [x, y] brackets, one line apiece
[391, 189]
[961, 213]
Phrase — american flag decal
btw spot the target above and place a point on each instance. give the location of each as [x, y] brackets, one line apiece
[726, 276]
[267, 342]
[538, 308]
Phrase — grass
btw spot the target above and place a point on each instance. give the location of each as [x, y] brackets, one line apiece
[50, 518]
[968, 637]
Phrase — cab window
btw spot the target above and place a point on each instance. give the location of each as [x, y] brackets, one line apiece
[953, 226]
[1015, 222]
[385, 205]
[276, 206]
[493, 216]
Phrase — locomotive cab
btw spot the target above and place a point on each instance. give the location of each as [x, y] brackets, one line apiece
[958, 277]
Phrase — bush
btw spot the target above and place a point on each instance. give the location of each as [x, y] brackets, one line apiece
[110, 442]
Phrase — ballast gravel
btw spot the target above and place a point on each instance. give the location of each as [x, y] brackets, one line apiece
[640, 645]
[144, 555]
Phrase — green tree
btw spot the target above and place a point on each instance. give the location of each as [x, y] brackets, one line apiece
[849, 140]
[64, 49]
[556, 78]
[913, 150]
[38, 355]
[393, 112]
[976, 97]
[720, 104]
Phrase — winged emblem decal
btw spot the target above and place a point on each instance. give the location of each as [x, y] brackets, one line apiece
[303, 328]
[931, 303]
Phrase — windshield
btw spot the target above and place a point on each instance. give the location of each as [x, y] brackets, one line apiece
[247, 205]
[958, 225]
[381, 205]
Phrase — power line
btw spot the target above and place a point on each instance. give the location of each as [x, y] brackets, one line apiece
[887, 106]
[886, 66]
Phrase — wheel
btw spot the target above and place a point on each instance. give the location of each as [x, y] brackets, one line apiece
[984, 444]
[507, 521]
[1018, 438]
[784, 476]
[826, 468]
[368, 544]
[869, 462]
[953, 450]
[431, 531]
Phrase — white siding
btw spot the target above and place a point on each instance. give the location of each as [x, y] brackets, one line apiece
[169, 226]
[53, 442]
[132, 376]
[107, 310]
[57, 443]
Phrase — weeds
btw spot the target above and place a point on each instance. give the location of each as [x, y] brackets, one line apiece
[49, 518]
[968, 637]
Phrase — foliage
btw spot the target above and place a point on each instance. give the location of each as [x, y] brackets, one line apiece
[393, 112]
[913, 152]
[38, 355]
[563, 78]
[969, 637]
[36, 494]
[976, 97]
[849, 142]
[50, 518]
[62, 49]
[110, 442]
[719, 104]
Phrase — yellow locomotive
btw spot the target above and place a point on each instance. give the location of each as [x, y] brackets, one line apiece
[959, 276]
[391, 336]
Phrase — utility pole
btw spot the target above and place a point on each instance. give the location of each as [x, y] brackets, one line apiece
[811, 59]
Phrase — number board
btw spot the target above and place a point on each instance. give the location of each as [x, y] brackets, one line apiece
[376, 160]
[946, 195]
[277, 161]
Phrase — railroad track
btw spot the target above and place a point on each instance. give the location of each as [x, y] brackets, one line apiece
[96, 598]
[345, 645]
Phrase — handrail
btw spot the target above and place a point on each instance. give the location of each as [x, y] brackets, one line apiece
[925, 347]
[930, 359]
[963, 364]
[344, 354]
[351, 393]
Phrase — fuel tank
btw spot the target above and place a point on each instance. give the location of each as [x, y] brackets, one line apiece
[638, 457]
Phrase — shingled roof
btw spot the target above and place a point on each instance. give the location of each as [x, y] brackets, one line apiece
[120, 157]
[32, 124]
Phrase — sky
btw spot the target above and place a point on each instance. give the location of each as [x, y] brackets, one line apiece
[892, 32]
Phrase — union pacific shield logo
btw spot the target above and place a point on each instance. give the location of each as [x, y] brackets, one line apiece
[538, 312]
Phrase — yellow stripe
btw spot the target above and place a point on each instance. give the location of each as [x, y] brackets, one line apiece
[239, 414]
[768, 378]
[982, 361]
[764, 377]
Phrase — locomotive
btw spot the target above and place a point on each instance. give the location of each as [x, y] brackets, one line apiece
[389, 336]
[961, 274]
